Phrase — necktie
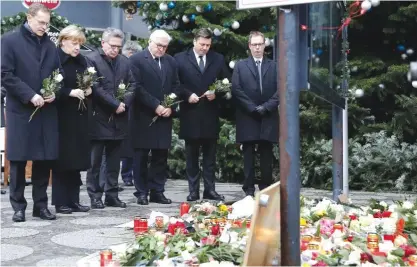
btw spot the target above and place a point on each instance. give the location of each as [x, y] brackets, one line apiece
[258, 64]
[201, 64]
[158, 61]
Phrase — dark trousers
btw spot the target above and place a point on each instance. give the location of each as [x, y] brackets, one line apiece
[66, 187]
[127, 169]
[102, 177]
[113, 150]
[192, 153]
[40, 180]
[153, 179]
[266, 163]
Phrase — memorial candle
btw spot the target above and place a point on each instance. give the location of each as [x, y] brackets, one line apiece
[106, 257]
[184, 208]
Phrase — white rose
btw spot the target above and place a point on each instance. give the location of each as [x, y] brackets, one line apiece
[59, 78]
[190, 245]
[383, 204]
[400, 240]
[91, 70]
[408, 205]
[354, 257]
[228, 95]
[42, 91]
[392, 207]
[225, 81]
[172, 96]
[122, 86]
[172, 220]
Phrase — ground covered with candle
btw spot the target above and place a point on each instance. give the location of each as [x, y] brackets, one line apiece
[332, 234]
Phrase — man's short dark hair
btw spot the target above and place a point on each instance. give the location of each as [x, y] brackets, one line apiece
[203, 33]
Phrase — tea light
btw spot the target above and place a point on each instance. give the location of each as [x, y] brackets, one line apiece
[184, 208]
[159, 222]
[140, 225]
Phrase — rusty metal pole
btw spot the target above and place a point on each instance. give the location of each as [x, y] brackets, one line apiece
[289, 133]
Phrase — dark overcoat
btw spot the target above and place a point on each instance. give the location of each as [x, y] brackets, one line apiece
[26, 61]
[200, 120]
[105, 124]
[74, 142]
[247, 95]
[153, 84]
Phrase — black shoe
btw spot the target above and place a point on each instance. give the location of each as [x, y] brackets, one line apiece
[44, 214]
[19, 216]
[212, 195]
[3, 192]
[193, 196]
[250, 193]
[63, 209]
[114, 202]
[158, 197]
[77, 207]
[128, 183]
[97, 204]
[143, 200]
[120, 189]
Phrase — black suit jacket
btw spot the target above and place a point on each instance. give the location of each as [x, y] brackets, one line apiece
[247, 95]
[200, 120]
[153, 84]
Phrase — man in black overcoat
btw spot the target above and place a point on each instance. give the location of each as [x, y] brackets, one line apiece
[109, 122]
[254, 88]
[28, 56]
[156, 76]
[198, 68]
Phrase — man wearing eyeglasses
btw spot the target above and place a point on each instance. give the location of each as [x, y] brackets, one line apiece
[109, 122]
[28, 56]
[254, 88]
[156, 73]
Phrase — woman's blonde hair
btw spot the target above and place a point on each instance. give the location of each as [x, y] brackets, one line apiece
[71, 32]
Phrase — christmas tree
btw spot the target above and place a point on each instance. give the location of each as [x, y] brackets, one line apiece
[230, 27]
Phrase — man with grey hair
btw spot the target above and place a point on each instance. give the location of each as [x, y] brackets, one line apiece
[130, 48]
[156, 73]
[109, 122]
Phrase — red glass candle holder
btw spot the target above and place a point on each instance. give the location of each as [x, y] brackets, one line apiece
[184, 208]
[159, 222]
[140, 225]
[106, 257]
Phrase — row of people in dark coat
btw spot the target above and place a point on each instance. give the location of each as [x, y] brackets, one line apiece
[68, 140]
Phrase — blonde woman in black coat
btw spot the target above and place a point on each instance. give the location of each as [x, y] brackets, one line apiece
[74, 142]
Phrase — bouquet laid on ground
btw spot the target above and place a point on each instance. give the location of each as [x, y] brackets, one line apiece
[121, 93]
[50, 87]
[85, 81]
[169, 101]
[221, 86]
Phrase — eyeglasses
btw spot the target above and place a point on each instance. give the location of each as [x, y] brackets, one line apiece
[160, 46]
[42, 23]
[256, 45]
[118, 47]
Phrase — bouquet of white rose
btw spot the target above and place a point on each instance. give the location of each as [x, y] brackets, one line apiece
[121, 93]
[50, 86]
[85, 81]
[221, 86]
[169, 100]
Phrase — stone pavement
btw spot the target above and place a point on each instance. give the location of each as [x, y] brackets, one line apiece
[74, 236]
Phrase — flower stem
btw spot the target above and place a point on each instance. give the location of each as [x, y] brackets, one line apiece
[31, 116]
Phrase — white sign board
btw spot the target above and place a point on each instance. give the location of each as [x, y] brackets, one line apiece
[247, 4]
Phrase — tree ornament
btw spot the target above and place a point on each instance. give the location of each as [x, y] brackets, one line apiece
[232, 64]
[235, 25]
[375, 2]
[381, 86]
[410, 51]
[138, 4]
[175, 23]
[267, 42]
[158, 16]
[404, 56]
[150, 27]
[208, 7]
[359, 93]
[217, 32]
[163, 6]
[146, 6]
[366, 5]
[185, 19]
[414, 84]
[199, 9]
[171, 5]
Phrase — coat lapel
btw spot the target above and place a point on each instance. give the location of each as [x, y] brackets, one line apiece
[153, 64]
[192, 59]
[209, 60]
[265, 66]
[164, 68]
[251, 65]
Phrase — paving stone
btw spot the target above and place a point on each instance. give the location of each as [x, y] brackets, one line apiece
[94, 238]
[31, 224]
[74, 214]
[59, 262]
[17, 232]
[100, 221]
[12, 252]
[8, 212]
